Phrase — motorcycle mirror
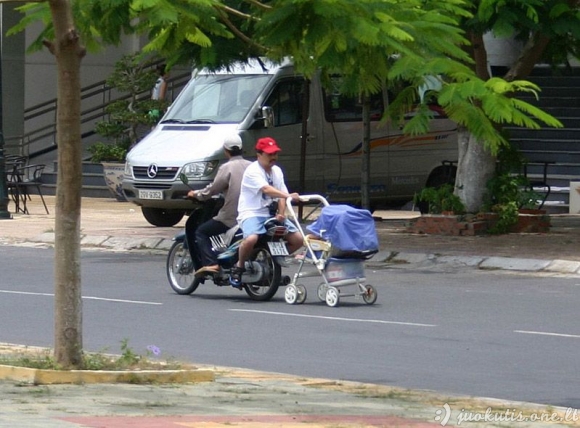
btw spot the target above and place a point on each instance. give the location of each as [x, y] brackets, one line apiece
[184, 178]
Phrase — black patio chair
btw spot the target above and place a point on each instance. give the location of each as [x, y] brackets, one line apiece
[27, 177]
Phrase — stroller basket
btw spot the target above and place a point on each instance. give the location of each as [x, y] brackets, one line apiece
[339, 269]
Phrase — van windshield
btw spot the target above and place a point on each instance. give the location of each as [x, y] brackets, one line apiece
[216, 99]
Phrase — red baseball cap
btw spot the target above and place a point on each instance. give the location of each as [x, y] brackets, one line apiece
[267, 145]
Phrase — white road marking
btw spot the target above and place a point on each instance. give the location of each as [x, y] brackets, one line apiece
[84, 297]
[544, 333]
[335, 318]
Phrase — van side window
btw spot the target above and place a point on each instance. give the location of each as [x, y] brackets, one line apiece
[342, 108]
[286, 100]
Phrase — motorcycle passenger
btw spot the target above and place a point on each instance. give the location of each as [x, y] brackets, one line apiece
[227, 181]
[263, 181]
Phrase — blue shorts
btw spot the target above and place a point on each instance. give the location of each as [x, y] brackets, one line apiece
[255, 226]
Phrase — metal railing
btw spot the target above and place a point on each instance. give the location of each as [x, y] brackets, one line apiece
[94, 99]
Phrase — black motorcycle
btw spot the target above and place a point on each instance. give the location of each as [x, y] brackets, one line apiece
[263, 272]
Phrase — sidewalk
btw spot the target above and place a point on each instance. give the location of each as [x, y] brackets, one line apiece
[116, 225]
[249, 399]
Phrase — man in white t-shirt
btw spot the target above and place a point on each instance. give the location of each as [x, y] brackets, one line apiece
[262, 183]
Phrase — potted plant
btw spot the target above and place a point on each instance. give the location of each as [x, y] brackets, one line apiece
[130, 112]
[439, 200]
[112, 158]
[508, 195]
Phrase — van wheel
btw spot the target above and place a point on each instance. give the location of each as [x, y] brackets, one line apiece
[442, 175]
[161, 217]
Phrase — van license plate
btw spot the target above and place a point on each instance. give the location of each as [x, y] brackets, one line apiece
[151, 194]
[278, 248]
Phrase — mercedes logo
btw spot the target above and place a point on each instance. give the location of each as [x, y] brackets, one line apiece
[152, 171]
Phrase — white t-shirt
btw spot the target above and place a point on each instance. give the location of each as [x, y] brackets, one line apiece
[253, 202]
[157, 88]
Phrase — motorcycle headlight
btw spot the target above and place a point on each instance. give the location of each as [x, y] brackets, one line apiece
[200, 169]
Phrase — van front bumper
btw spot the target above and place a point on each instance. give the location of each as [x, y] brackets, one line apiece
[157, 194]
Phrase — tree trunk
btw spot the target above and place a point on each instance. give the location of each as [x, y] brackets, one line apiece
[474, 168]
[68, 303]
[366, 154]
[531, 54]
[476, 165]
[479, 54]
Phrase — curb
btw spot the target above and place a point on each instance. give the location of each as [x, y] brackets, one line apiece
[53, 377]
[381, 258]
[36, 376]
[479, 262]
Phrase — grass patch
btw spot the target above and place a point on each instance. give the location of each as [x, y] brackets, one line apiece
[128, 360]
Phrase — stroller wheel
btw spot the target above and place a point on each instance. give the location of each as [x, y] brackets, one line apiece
[370, 295]
[295, 294]
[291, 294]
[301, 294]
[321, 292]
[332, 297]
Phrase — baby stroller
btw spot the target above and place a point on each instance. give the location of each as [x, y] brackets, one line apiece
[338, 244]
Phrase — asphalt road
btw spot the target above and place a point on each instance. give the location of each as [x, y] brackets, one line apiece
[465, 332]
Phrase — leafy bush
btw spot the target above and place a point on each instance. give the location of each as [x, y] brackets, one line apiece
[440, 199]
[135, 79]
[506, 194]
[103, 152]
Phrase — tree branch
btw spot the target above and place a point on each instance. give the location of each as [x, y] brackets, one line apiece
[49, 45]
[234, 12]
[258, 4]
[531, 54]
[237, 32]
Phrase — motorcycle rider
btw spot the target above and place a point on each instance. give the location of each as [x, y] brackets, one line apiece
[262, 182]
[227, 181]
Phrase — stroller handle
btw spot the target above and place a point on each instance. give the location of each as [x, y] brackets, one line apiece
[305, 198]
[310, 198]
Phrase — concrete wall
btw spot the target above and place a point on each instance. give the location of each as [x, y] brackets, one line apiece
[29, 79]
[12, 54]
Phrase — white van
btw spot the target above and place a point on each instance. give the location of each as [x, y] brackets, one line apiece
[263, 99]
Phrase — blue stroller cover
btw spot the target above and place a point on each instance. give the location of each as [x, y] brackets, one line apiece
[347, 228]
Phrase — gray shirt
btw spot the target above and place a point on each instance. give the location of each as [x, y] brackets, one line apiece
[228, 181]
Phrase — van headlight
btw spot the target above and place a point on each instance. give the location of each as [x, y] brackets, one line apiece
[200, 169]
[128, 169]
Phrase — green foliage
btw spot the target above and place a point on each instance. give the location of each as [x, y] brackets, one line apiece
[128, 357]
[506, 188]
[133, 80]
[528, 20]
[506, 194]
[480, 106]
[507, 217]
[440, 199]
[104, 152]
[359, 39]
[128, 360]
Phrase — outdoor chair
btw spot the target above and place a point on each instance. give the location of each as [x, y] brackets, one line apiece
[23, 179]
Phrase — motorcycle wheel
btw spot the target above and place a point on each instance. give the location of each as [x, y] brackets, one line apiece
[180, 270]
[266, 289]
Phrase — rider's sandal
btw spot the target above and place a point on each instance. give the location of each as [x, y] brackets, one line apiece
[236, 277]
